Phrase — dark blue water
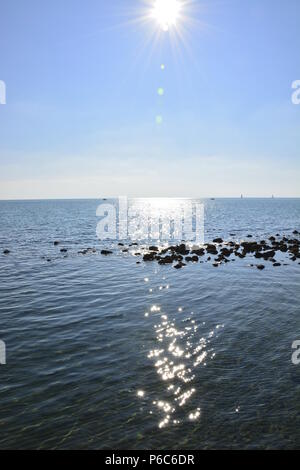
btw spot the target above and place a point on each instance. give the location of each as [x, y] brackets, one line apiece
[104, 353]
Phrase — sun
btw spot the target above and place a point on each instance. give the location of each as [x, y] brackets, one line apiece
[166, 12]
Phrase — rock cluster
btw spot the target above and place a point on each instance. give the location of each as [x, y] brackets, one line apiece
[220, 251]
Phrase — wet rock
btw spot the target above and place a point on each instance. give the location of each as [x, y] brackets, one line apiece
[215, 265]
[120, 244]
[125, 250]
[211, 249]
[198, 252]
[63, 250]
[226, 252]
[179, 266]
[277, 264]
[181, 249]
[48, 260]
[272, 239]
[260, 267]
[6, 252]
[149, 256]
[295, 232]
[166, 260]
[265, 254]
[56, 243]
[153, 248]
[250, 247]
[232, 235]
[195, 259]
[106, 252]
[218, 240]
[249, 236]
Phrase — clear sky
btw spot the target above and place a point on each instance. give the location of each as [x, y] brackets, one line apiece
[81, 99]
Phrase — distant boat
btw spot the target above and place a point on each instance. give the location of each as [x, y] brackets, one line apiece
[212, 198]
[273, 196]
[242, 197]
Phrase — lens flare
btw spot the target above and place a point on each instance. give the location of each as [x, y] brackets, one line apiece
[166, 13]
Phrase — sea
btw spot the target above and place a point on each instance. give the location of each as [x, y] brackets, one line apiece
[105, 353]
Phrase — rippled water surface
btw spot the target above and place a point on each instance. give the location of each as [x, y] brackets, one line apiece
[106, 353]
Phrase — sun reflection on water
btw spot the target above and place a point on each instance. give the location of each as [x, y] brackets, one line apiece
[184, 346]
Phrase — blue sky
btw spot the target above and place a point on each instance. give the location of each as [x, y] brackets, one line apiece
[82, 80]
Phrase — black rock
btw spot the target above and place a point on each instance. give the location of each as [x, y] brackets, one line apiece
[211, 249]
[63, 250]
[198, 252]
[6, 252]
[226, 252]
[218, 240]
[277, 264]
[260, 266]
[106, 252]
[166, 260]
[149, 256]
[153, 248]
[180, 249]
[295, 232]
[178, 266]
[56, 243]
